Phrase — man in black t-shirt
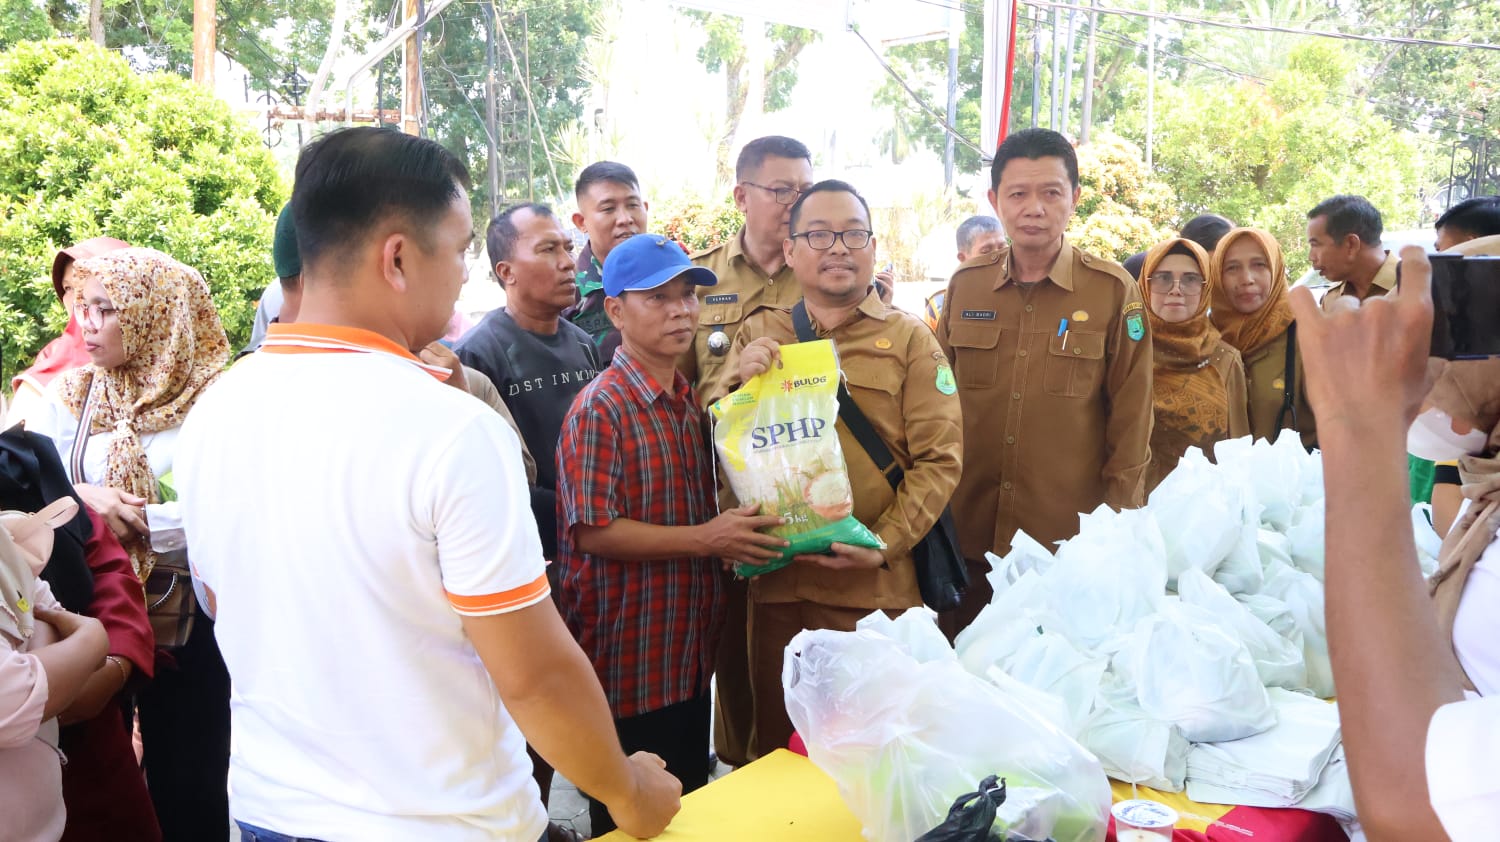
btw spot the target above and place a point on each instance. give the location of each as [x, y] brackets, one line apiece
[538, 360]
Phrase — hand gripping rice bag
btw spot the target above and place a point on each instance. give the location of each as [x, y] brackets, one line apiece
[777, 440]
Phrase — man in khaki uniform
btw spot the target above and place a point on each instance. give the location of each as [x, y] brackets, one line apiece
[1052, 354]
[753, 275]
[1343, 244]
[902, 383]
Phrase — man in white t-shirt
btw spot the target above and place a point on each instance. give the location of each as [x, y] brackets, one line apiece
[382, 609]
[1424, 761]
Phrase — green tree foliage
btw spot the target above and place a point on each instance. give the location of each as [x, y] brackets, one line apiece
[1123, 207]
[724, 51]
[22, 20]
[1265, 154]
[90, 148]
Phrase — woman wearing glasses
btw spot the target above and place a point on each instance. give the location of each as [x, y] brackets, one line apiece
[155, 343]
[1199, 383]
[1251, 311]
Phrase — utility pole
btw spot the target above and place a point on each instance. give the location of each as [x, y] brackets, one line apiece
[492, 127]
[955, 24]
[205, 41]
[998, 67]
[1150, 84]
[1036, 66]
[1067, 96]
[411, 101]
[1056, 67]
[1088, 79]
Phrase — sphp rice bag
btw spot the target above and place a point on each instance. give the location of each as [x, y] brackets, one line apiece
[776, 437]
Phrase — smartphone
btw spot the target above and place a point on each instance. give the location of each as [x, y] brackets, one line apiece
[1466, 306]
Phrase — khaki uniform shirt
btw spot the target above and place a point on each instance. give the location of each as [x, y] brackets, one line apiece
[1265, 383]
[902, 383]
[743, 289]
[1056, 424]
[1385, 281]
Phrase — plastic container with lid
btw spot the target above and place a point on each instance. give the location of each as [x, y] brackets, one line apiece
[1144, 821]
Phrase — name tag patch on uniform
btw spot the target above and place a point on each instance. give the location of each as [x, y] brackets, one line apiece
[979, 315]
[945, 381]
[1135, 327]
[722, 298]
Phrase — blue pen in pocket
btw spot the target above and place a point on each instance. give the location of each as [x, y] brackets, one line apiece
[1062, 330]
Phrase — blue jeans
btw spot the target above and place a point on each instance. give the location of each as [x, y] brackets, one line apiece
[251, 833]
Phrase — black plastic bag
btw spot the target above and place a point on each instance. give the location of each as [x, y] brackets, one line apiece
[971, 816]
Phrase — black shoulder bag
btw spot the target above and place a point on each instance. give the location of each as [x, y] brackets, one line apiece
[1289, 382]
[941, 573]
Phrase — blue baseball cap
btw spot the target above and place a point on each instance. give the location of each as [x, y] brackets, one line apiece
[646, 261]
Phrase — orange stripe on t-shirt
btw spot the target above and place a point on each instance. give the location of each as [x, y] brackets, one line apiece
[500, 602]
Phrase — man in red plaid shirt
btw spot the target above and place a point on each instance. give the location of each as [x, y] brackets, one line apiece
[639, 544]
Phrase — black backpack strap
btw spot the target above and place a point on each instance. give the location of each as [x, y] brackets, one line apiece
[850, 413]
[1289, 380]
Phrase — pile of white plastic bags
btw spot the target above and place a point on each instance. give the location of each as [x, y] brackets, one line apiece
[1182, 645]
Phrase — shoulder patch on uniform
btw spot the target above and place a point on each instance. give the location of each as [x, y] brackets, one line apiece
[978, 315]
[945, 383]
[722, 298]
[1133, 306]
[1135, 327]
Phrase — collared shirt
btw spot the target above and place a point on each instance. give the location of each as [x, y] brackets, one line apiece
[743, 289]
[901, 381]
[1055, 381]
[397, 508]
[632, 449]
[1384, 281]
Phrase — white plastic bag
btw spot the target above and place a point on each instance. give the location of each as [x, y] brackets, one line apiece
[1429, 543]
[1273, 471]
[1132, 746]
[1241, 572]
[1199, 514]
[916, 630]
[1278, 661]
[1190, 672]
[1026, 555]
[1306, 538]
[1105, 579]
[903, 739]
[1303, 596]
[1048, 662]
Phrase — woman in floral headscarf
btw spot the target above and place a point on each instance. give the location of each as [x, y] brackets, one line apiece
[155, 343]
[1198, 385]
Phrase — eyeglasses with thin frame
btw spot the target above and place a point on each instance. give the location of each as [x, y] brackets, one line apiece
[1191, 283]
[783, 195]
[92, 315]
[822, 239]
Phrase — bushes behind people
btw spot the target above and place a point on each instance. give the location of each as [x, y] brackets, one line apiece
[88, 147]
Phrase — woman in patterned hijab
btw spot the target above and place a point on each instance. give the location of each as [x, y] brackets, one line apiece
[156, 342]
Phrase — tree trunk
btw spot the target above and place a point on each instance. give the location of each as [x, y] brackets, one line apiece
[96, 21]
[734, 102]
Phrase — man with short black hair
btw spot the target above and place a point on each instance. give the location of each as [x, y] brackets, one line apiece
[610, 211]
[770, 175]
[538, 360]
[1343, 244]
[1052, 354]
[385, 614]
[901, 382]
[1468, 220]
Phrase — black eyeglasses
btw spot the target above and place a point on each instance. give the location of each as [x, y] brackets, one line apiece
[822, 239]
[1190, 282]
[783, 195]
